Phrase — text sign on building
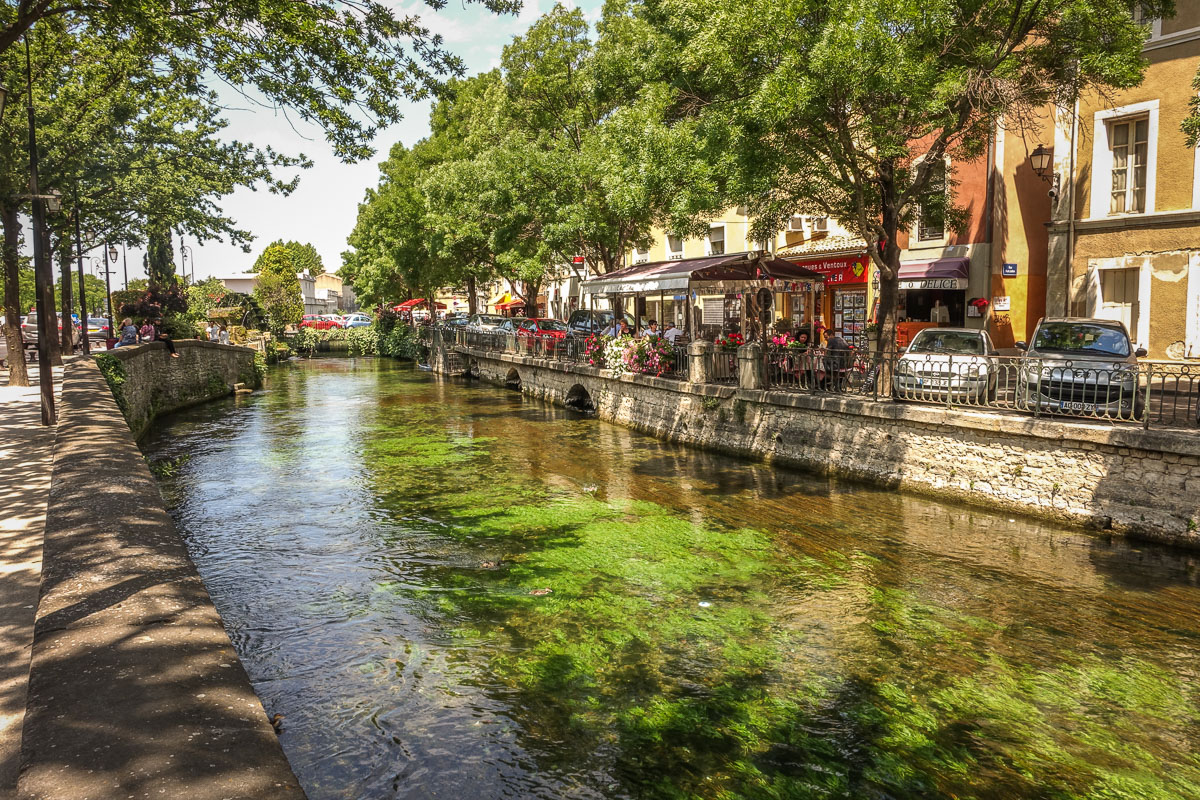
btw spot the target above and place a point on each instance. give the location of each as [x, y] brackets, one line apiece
[577, 260]
[847, 269]
[1002, 303]
[1010, 270]
[935, 283]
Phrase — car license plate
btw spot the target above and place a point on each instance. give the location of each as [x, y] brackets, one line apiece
[1072, 405]
[935, 383]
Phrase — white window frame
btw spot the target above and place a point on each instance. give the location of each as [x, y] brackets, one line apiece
[915, 243]
[708, 240]
[674, 254]
[820, 224]
[640, 257]
[1193, 306]
[1095, 298]
[796, 223]
[1102, 162]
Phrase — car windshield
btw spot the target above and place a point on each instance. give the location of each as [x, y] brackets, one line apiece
[953, 342]
[97, 322]
[1081, 337]
[552, 325]
[488, 319]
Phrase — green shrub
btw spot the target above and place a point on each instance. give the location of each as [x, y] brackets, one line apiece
[305, 341]
[363, 341]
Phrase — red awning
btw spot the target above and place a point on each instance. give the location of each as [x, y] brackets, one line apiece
[510, 305]
[417, 301]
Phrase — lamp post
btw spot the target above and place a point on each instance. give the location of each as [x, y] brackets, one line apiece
[111, 252]
[83, 318]
[125, 265]
[187, 254]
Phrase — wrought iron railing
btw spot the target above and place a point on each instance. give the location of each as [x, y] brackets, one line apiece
[1162, 394]
[1149, 393]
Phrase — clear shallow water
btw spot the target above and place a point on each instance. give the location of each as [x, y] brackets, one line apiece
[714, 629]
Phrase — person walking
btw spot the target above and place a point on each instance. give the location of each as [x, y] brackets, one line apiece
[129, 334]
[223, 336]
[213, 331]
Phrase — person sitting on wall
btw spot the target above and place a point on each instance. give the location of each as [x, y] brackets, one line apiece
[129, 334]
[161, 336]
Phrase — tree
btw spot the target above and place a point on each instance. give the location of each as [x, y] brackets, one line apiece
[278, 289]
[848, 111]
[347, 67]
[304, 256]
[159, 260]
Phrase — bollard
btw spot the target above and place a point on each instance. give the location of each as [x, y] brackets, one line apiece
[751, 371]
[698, 353]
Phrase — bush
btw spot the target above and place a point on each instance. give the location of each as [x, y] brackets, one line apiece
[400, 342]
[363, 341]
[305, 341]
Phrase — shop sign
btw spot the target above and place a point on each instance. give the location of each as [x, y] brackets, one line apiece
[1010, 270]
[846, 269]
[957, 284]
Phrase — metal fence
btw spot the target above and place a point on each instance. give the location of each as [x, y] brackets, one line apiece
[1148, 393]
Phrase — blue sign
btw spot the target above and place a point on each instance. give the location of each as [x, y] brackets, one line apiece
[1010, 270]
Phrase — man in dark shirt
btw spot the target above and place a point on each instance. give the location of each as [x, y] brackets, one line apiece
[837, 358]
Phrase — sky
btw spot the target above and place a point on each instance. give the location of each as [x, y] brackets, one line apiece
[323, 208]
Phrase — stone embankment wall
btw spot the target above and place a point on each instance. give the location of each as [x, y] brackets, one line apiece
[135, 689]
[146, 381]
[1142, 483]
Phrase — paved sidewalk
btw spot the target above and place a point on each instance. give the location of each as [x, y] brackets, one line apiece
[25, 456]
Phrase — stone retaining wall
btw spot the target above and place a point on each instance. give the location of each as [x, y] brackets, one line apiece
[1142, 483]
[135, 689]
[146, 381]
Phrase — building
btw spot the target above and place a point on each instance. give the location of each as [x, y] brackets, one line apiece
[1124, 243]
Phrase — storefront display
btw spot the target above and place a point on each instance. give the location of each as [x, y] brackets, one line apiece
[842, 306]
[850, 315]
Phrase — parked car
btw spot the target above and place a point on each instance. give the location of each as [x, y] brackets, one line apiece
[939, 361]
[485, 322]
[585, 322]
[550, 331]
[510, 325]
[97, 331]
[318, 321]
[1081, 366]
[356, 321]
[30, 331]
[334, 320]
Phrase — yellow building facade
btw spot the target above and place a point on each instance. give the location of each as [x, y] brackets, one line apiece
[1124, 243]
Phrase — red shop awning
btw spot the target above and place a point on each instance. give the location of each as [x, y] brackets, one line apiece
[417, 301]
[943, 273]
[510, 305]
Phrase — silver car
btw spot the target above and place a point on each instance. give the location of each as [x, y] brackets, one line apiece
[485, 322]
[947, 361]
[1081, 367]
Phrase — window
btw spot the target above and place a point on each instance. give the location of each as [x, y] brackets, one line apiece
[640, 256]
[820, 224]
[674, 247]
[796, 223]
[1128, 140]
[716, 240]
[931, 214]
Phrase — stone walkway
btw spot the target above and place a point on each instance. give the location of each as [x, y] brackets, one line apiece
[25, 456]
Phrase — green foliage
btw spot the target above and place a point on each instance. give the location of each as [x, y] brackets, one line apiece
[364, 341]
[281, 255]
[114, 374]
[400, 341]
[278, 290]
[305, 341]
[164, 468]
[203, 297]
[159, 260]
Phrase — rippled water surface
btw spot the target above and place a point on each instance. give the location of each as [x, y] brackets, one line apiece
[453, 592]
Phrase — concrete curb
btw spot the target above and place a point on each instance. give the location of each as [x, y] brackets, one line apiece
[135, 689]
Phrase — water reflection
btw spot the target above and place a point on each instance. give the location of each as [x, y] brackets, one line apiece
[380, 542]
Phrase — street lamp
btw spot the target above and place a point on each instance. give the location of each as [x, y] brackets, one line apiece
[1039, 159]
[187, 254]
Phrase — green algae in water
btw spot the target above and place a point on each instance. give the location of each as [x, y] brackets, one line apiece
[721, 643]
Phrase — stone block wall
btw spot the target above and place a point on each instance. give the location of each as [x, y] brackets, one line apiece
[1114, 477]
[146, 381]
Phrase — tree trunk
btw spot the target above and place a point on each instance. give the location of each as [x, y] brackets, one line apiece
[17, 374]
[48, 299]
[530, 297]
[64, 263]
[472, 295]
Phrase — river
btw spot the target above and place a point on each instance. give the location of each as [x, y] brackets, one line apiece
[451, 591]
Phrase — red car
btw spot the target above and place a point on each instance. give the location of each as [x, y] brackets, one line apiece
[550, 331]
[319, 322]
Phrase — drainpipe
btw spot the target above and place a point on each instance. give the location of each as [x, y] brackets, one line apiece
[989, 219]
[1071, 212]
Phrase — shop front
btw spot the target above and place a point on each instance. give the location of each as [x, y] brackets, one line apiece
[840, 303]
[932, 293]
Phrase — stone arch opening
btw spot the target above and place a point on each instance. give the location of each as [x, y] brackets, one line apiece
[513, 381]
[579, 399]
